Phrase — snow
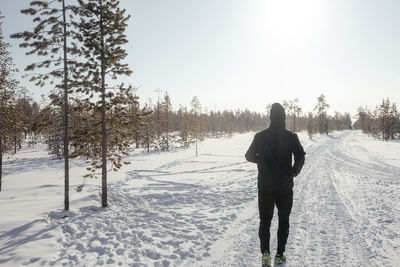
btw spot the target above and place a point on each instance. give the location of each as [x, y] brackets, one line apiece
[175, 209]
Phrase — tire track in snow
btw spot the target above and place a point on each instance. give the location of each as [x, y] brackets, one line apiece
[322, 228]
[372, 195]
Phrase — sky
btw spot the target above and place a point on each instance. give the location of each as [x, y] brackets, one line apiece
[245, 54]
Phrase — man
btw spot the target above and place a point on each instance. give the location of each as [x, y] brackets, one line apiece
[272, 150]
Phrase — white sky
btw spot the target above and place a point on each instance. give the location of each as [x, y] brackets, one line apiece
[245, 54]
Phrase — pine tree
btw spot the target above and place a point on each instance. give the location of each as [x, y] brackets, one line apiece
[48, 39]
[101, 31]
[8, 111]
[394, 117]
[337, 119]
[29, 109]
[18, 125]
[321, 108]
[54, 131]
[383, 113]
[363, 119]
[293, 110]
[148, 134]
[157, 121]
[196, 108]
[347, 124]
[184, 120]
[167, 136]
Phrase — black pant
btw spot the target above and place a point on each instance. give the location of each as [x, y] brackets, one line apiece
[266, 202]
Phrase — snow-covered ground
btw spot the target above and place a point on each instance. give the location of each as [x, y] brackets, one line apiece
[175, 209]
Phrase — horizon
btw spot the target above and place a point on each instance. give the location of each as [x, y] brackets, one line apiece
[229, 53]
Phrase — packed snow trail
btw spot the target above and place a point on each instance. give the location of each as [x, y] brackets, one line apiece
[174, 209]
[346, 207]
[345, 212]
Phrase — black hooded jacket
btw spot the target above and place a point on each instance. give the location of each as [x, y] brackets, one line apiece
[272, 150]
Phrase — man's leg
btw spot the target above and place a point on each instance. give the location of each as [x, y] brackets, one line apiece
[284, 203]
[266, 201]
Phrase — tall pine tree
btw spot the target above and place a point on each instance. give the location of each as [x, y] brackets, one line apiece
[101, 31]
[48, 40]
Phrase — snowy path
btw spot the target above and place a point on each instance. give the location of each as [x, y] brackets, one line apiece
[345, 213]
[173, 209]
[346, 209]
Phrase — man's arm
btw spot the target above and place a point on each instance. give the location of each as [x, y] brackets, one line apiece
[251, 154]
[299, 158]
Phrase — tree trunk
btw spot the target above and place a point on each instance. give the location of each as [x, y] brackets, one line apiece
[103, 117]
[66, 137]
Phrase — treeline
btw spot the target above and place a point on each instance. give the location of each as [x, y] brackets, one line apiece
[160, 127]
[165, 128]
[10, 118]
[18, 117]
[316, 121]
[381, 122]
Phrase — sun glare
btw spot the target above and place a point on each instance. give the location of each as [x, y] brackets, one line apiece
[289, 20]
